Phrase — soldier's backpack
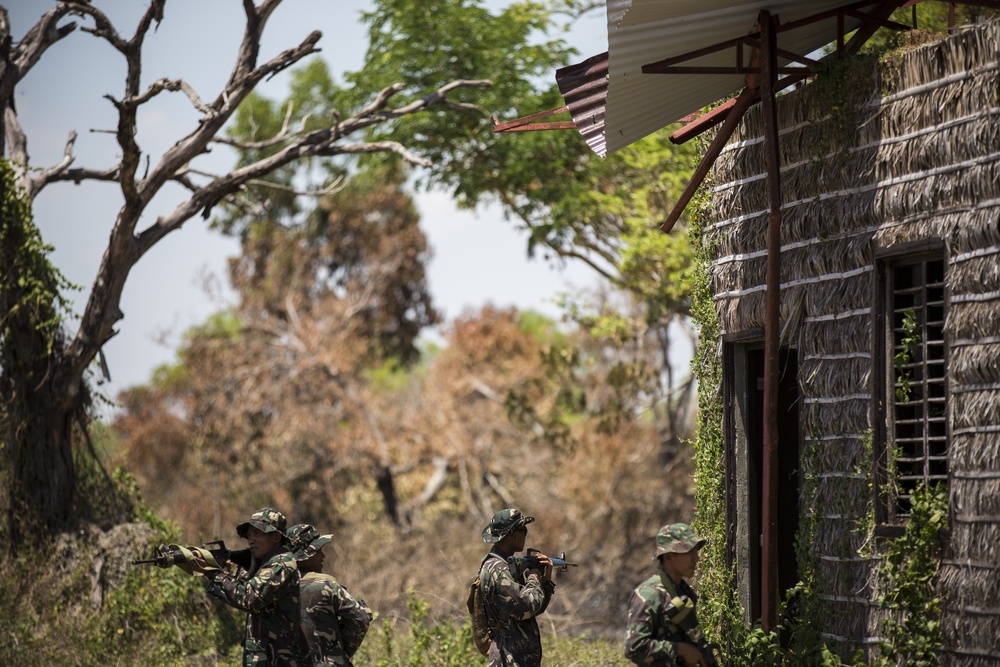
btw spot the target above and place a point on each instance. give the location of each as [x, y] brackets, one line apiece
[482, 634]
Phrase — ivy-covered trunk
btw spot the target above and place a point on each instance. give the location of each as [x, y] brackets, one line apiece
[36, 420]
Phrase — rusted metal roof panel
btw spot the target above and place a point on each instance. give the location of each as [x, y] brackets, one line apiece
[584, 88]
[642, 32]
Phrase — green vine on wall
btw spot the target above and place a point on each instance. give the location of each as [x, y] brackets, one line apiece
[718, 609]
[835, 94]
[907, 576]
[909, 344]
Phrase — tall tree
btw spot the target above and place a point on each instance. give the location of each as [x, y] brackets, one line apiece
[31, 310]
[39, 428]
[573, 206]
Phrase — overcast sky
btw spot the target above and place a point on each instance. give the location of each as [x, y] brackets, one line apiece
[478, 258]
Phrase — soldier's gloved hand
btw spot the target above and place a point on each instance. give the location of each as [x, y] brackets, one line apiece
[213, 575]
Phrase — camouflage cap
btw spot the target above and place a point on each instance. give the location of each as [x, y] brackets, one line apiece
[504, 523]
[677, 538]
[305, 541]
[266, 520]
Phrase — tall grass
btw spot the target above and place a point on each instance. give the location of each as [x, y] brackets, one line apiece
[423, 642]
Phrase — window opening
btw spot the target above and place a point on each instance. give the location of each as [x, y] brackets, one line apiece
[918, 438]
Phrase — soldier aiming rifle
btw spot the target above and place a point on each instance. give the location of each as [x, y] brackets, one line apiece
[513, 594]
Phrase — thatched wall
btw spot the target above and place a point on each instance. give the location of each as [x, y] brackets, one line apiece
[916, 158]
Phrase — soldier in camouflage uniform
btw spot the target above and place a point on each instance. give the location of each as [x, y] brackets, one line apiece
[333, 622]
[268, 592]
[651, 639]
[513, 599]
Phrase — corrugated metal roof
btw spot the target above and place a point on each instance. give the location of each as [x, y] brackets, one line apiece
[584, 88]
[641, 32]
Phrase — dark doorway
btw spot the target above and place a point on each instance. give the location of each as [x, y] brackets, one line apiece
[788, 469]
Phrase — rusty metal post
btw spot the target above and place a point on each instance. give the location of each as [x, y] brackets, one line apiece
[772, 331]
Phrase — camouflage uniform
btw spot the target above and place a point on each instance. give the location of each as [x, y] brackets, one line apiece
[512, 606]
[333, 622]
[270, 596]
[650, 638]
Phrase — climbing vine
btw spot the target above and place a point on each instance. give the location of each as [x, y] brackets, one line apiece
[718, 610]
[909, 345]
[906, 576]
[32, 308]
[835, 93]
[30, 286]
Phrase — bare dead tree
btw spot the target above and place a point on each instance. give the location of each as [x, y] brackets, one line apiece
[42, 485]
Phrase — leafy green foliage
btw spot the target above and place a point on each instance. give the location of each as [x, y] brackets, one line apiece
[149, 616]
[32, 302]
[931, 23]
[835, 93]
[426, 44]
[262, 127]
[909, 346]
[32, 309]
[31, 287]
[715, 583]
[573, 204]
[907, 577]
[164, 616]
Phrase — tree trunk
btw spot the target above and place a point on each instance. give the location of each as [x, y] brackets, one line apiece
[38, 405]
[43, 479]
[387, 487]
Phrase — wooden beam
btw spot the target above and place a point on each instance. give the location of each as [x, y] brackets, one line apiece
[518, 124]
[698, 124]
[882, 22]
[539, 127]
[695, 69]
[735, 115]
[695, 125]
[872, 24]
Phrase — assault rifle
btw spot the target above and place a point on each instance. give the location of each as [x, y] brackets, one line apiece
[195, 560]
[680, 611]
[531, 562]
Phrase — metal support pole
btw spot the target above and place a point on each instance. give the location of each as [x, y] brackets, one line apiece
[772, 331]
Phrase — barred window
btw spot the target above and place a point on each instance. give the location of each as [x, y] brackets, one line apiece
[916, 438]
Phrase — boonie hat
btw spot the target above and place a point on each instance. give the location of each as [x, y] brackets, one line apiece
[504, 523]
[305, 541]
[266, 520]
[677, 538]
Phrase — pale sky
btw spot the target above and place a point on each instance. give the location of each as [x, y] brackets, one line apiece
[478, 258]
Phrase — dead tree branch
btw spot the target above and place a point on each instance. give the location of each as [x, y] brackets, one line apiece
[128, 244]
[172, 85]
[281, 135]
[16, 60]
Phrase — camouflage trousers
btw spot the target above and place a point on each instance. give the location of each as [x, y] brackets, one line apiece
[515, 652]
